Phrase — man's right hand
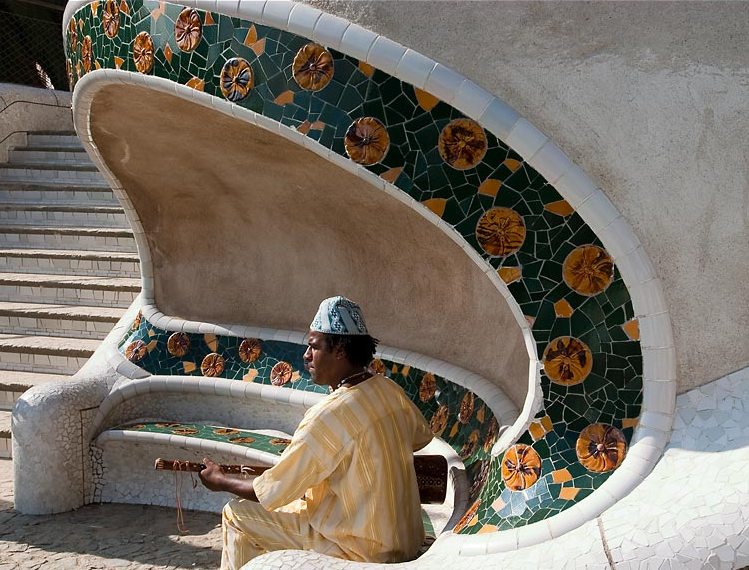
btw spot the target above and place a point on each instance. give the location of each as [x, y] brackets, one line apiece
[212, 477]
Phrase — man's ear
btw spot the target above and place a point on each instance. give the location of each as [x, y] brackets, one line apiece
[339, 352]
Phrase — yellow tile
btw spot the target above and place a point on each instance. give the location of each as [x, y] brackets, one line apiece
[537, 431]
[188, 367]
[394, 369]
[196, 83]
[560, 208]
[95, 8]
[562, 308]
[211, 341]
[474, 520]
[454, 430]
[366, 69]
[632, 329]
[151, 333]
[568, 493]
[480, 414]
[436, 205]
[510, 274]
[490, 187]
[97, 65]
[151, 345]
[547, 423]
[488, 528]
[405, 371]
[284, 98]
[561, 476]
[513, 165]
[427, 101]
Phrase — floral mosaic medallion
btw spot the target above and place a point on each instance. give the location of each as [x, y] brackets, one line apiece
[427, 387]
[249, 350]
[462, 144]
[313, 67]
[86, 53]
[212, 365]
[500, 231]
[188, 29]
[466, 518]
[601, 448]
[470, 445]
[236, 79]
[588, 270]
[72, 35]
[567, 361]
[376, 366]
[438, 423]
[135, 351]
[466, 408]
[280, 441]
[143, 52]
[225, 431]
[242, 439]
[178, 344]
[110, 18]
[366, 141]
[184, 431]
[281, 373]
[521, 467]
[491, 434]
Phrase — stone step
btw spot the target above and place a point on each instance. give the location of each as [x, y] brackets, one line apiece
[61, 157]
[36, 173]
[5, 441]
[69, 290]
[63, 214]
[48, 354]
[53, 139]
[53, 194]
[59, 237]
[75, 321]
[70, 262]
[13, 383]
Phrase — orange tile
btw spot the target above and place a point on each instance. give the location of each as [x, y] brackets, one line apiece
[95, 8]
[211, 341]
[454, 430]
[490, 187]
[513, 165]
[630, 422]
[562, 308]
[546, 422]
[427, 101]
[118, 61]
[560, 208]
[196, 83]
[188, 367]
[250, 376]
[510, 274]
[568, 493]
[251, 36]
[284, 98]
[366, 69]
[405, 371]
[151, 332]
[394, 369]
[124, 7]
[151, 345]
[209, 21]
[488, 528]
[537, 431]
[168, 53]
[392, 175]
[258, 47]
[436, 205]
[480, 415]
[304, 127]
[632, 329]
[97, 65]
[561, 476]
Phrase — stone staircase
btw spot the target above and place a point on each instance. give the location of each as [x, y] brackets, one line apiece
[68, 265]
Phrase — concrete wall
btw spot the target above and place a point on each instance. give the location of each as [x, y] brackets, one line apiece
[24, 109]
[651, 99]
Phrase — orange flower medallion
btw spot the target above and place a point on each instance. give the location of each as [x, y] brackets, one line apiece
[184, 431]
[466, 408]
[236, 79]
[242, 439]
[500, 231]
[281, 373]
[188, 29]
[366, 141]
[86, 53]
[212, 365]
[143, 52]
[178, 344]
[428, 387]
[312, 67]
[466, 518]
[438, 423]
[491, 435]
[249, 350]
[521, 467]
[73, 34]
[135, 351]
[462, 144]
[469, 446]
[225, 431]
[601, 448]
[110, 18]
[588, 270]
[567, 361]
[280, 441]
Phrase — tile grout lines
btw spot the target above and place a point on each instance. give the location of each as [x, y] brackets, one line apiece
[68, 265]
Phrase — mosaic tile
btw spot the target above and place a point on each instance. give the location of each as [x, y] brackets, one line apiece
[554, 265]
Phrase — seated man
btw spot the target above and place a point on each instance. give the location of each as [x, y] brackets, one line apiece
[346, 485]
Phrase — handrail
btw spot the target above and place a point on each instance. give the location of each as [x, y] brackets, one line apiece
[30, 103]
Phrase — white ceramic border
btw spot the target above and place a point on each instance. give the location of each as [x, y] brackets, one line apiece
[572, 183]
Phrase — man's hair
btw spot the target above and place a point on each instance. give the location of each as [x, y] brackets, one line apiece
[358, 348]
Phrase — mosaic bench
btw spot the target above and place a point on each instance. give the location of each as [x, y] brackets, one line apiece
[200, 391]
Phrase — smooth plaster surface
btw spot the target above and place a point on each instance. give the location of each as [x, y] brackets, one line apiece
[651, 99]
[246, 227]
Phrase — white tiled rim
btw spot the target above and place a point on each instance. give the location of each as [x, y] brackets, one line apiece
[656, 339]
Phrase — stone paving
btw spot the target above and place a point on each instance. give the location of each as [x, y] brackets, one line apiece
[132, 537]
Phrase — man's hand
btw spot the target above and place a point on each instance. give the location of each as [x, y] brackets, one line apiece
[212, 477]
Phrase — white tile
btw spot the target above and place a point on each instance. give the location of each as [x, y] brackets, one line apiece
[499, 119]
[551, 162]
[357, 41]
[535, 533]
[385, 55]
[276, 13]
[329, 30]
[648, 298]
[635, 266]
[659, 363]
[414, 68]
[575, 186]
[619, 237]
[444, 83]
[526, 139]
[659, 397]
[657, 421]
[302, 20]
[655, 331]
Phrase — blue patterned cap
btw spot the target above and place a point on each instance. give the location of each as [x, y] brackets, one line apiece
[339, 315]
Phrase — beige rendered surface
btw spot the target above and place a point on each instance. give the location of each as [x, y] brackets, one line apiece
[650, 99]
[246, 227]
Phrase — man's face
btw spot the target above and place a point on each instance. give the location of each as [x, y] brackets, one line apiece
[322, 363]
